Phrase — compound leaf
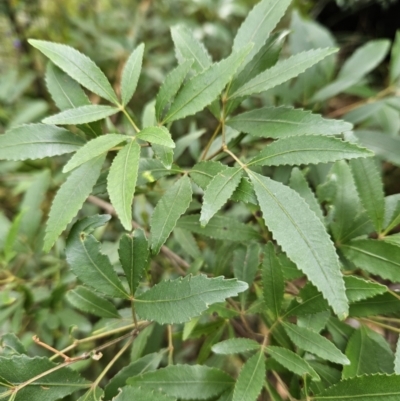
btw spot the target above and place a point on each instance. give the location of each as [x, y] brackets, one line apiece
[77, 66]
[303, 237]
[134, 254]
[94, 148]
[169, 208]
[70, 197]
[121, 181]
[179, 300]
[185, 381]
[36, 141]
[130, 74]
[279, 122]
[86, 300]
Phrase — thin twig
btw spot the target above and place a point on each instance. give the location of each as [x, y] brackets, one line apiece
[181, 264]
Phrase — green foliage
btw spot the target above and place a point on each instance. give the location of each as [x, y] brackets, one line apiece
[248, 250]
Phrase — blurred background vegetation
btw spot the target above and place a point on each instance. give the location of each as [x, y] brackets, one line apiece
[33, 284]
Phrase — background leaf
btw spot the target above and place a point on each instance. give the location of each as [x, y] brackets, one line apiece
[131, 73]
[157, 135]
[179, 300]
[235, 346]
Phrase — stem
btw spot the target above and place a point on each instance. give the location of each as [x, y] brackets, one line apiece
[170, 346]
[213, 136]
[48, 347]
[227, 151]
[383, 325]
[129, 118]
[134, 314]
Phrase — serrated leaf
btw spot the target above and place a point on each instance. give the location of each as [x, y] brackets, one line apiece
[179, 300]
[314, 343]
[218, 191]
[367, 355]
[307, 149]
[157, 135]
[52, 387]
[246, 260]
[82, 115]
[66, 92]
[134, 254]
[94, 148]
[315, 321]
[299, 183]
[70, 197]
[86, 300]
[94, 394]
[11, 345]
[130, 74]
[203, 88]
[121, 181]
[77, 66]
[273, 283]
[185, 381]
[164, 154]
[129, 393]
[36, 141]
[383, 304]
[367, 387]
[147, 363]
[303, 237]
[358, 289]
[219, 227]
[169, 208]
[370, 189]
[282, 72]
[172, 83]
[376, 257]
[235, 346]
[244, 192]
[362, 61]
[202, 173]
[258, 25]
[187, 47]
[87, 262]
[151, 170]
[251, 379]
[292, 362]
[279, 122]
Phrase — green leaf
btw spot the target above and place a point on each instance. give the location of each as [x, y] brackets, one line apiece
[134, 257]
[395, 59]
[362, 61]
[235, 346]
[367, 355]
[299, 183]
[383, 304]
[77, 66]
[89, 264]
[203, 88]
[139, 394]
[376, 257]
[187, 242]
[66, 93]
[52, 387]
[169, 208]
[121, 181]
[282, 72]
[370, 189]
[169, 88]
[36, 141]
[397, 358]
[258, 25]
[87, 301]
[147, 363]
[246, 260]
[151, 170]
[82, 115]
[165, 154]
[11, 345]
[157, 135]
[273, 283]
[94, 148]
[185, 381]
[307, 149]
[70, 197]
[303, 237]
[251, 379]
[94, 394]
[314, 343]
[130, 74]
[367, 387]
[187, 47]
[179, 300]
[279, 122]
[202, 173]
[218, 191]
[292, 362]
[244, 192]
[358, 289]
[219, 227]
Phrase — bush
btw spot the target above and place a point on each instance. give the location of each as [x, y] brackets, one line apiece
[248, 249]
